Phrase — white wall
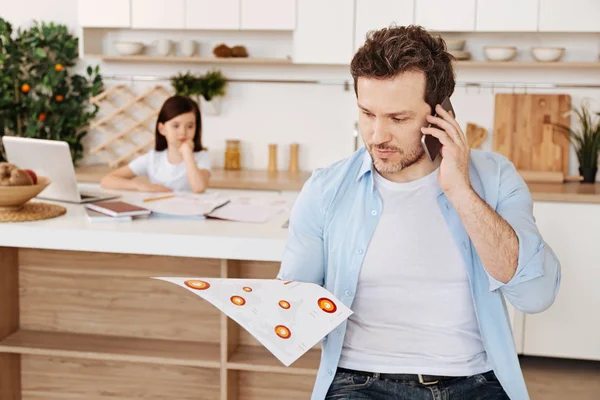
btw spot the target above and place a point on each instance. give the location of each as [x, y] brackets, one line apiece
[319, 117]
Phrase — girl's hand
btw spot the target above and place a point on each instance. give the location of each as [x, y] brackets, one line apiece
[186, 148]
[153, 187]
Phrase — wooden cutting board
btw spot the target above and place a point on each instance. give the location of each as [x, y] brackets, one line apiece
[521, 134]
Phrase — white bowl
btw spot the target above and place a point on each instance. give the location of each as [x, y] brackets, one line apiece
[129, 48]
[500, 53]
[548, 53]
[455, 45]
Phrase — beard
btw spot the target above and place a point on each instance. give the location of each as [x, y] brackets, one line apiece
[409, 157]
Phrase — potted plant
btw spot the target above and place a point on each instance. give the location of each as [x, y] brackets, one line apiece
[207, 89]
[39, 95]
[586, 140]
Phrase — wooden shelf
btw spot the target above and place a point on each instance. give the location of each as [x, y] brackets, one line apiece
[197, 60]
[259, 359]
[113, 348]
[527, 64]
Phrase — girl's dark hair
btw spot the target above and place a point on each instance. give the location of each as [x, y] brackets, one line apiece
[396, 49]
[172, 107]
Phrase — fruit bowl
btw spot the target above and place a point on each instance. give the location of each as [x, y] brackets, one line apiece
[14, 197]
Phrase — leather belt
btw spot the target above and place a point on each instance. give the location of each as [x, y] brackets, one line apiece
[422, 379]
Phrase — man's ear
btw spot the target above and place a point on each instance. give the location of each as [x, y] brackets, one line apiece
[161, 128]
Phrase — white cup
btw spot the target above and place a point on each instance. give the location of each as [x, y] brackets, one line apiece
[188, 47]
[163, 47]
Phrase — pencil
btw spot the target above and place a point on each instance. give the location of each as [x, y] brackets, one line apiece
[159, 198]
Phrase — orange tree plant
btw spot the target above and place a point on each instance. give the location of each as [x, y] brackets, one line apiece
[46, 100]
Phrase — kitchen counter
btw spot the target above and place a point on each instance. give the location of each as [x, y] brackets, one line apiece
[153, 236]
[571, 192]
[77, 299]
[222, 179]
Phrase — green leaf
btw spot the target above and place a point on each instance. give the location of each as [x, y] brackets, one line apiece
[41, 53]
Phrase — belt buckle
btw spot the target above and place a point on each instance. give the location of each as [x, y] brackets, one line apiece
[422, 382]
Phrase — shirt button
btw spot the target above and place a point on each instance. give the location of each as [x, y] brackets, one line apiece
[337, 332]
[374, 212]
[330, 372]
[348, 293]
[359, 251]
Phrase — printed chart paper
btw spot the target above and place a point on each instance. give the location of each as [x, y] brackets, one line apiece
[288, 318]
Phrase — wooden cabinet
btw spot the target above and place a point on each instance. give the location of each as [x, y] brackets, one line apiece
[376, 14]
[104, 14]
[325, 32]
[569, 16]
[268, 15]
[446, 16]
[507, 16]
[210, 14]
[67, 318]
[570, 327]
[158, 14]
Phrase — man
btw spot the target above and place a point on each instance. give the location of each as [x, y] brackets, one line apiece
[423, 252]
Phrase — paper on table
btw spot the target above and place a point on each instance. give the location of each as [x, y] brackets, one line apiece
[246, 209]
[288, 318]
[186, 205]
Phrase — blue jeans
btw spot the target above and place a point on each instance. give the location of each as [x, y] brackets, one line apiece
[349, 386]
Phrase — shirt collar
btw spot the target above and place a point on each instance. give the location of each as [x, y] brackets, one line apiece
[366, 165]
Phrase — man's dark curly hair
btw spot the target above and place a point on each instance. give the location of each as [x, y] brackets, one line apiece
[396, 49]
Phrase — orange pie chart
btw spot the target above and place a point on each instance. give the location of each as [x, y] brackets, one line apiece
[197, 284]
[327, 305]
[238, 300]
[283, 332]
[284, 304]
[247, 289]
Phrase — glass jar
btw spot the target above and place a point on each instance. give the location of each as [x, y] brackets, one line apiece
[232, 155]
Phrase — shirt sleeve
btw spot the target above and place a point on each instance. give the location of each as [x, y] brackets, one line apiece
[140, 165]
[304, 256]
[203, 160]
[535, 283]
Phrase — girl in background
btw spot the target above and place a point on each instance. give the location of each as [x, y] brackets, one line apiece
[178, 161]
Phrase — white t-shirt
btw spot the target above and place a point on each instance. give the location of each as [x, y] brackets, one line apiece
[155, 165]
[413, 310]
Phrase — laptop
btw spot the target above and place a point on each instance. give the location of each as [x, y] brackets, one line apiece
[51, 158]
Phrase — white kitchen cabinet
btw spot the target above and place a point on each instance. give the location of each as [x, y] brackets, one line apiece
[158, 14]
[268, 15]
[569, 16]
[507, 16]
[324, 32]
[570, 327]
[446, 16]
[211, 14]
[376, 14]
[104, 14]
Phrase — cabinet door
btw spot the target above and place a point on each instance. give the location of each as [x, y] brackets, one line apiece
[210, 14]
[158, 14]
[269, 14]
[446, 16]
[570, 327]
[507, 15]
[325, 32]
[376, 14]
[104, 14]
[569, 16]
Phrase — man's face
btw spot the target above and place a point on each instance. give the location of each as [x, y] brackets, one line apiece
[391, 114]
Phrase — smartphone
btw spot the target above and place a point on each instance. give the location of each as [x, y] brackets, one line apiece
[431, 144]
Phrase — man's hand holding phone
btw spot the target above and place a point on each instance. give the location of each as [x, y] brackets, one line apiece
[454, 168]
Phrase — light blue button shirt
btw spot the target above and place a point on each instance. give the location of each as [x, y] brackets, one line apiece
[335, 217]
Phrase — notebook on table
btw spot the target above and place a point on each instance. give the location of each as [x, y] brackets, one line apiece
[118, 208]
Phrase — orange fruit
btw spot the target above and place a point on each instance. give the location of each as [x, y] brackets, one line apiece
[42, 117]
[58, 67]
[59, 98]
[25, 88]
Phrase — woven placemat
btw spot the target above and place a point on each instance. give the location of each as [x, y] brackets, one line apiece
[32, 211]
